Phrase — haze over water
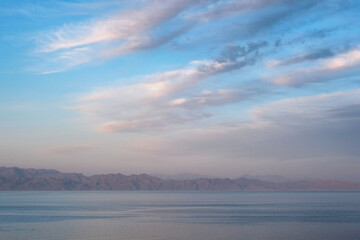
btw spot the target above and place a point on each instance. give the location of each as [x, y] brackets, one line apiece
[179, 215]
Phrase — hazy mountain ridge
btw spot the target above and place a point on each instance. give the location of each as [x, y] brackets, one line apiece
[14, 178]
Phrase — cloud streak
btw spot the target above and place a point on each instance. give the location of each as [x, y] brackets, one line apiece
[137, 29]
[278, 135]
[121, 33]
[318, 54]
[323, 125]
[319, 109]
[341, 65]
[119, 27]
[165, 99]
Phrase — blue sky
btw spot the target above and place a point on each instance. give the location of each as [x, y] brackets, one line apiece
[215, 87]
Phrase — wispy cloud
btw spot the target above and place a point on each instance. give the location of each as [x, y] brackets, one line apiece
[323, 125]
[124, 32]
[284, 135]
[309, 56]
[210, 98]
[164, 99]
[334, 67]
[318, 109]
[118, 27]
[136, 29]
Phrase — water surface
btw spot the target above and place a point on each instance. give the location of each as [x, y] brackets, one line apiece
[179, 215]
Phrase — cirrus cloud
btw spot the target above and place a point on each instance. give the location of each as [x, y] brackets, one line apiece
[341, 65]
[164, 99]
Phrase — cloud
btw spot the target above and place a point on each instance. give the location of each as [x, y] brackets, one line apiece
[319, 109]
[221, 9]
[130, 25]
[210, 98]
[314, 55]
[272, 18]
[119, 27]
[233, 52]
[299, 136]
[150, 24]
[320, 126]
[341, 65]
[201, 109]
[144, 42]
[168, 98]
[124, 32]
[146, 27]
[151, 123]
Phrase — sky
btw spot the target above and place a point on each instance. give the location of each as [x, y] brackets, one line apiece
[214, 87]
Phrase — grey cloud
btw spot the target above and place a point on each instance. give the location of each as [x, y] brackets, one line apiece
[320, 33]
[319, 109]
[347, 112]
[282, 15]
[233, 52]
[318, 54]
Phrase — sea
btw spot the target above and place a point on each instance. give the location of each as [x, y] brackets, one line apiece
[176, 215]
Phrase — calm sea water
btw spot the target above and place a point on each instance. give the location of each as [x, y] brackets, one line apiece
[179, 215]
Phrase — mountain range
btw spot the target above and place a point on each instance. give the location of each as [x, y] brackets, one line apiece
[14, 178]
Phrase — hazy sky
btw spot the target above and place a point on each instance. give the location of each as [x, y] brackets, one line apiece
[215, 87]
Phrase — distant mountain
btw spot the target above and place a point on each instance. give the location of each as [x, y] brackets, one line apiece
[180, 176]
[43, 179]
[273, 178]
